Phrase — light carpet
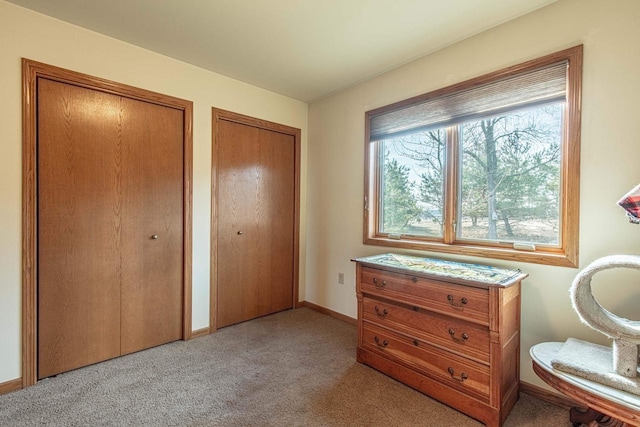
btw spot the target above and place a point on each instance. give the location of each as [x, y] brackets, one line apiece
[295, 368]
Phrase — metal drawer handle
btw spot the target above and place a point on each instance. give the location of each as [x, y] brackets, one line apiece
[453, 336]
[461, 378]
[379, 285]
[462, 302]
[380, 344]
[379, 312]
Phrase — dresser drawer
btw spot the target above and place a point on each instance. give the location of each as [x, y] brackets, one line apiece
[457, 372]
[455, 300]
[466, 338]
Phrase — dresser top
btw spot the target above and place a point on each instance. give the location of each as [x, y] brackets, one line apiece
[448, 271]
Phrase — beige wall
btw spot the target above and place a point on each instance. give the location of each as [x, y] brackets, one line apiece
[610, 32]
[24, 33]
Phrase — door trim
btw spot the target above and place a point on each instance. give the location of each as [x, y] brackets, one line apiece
[218, 115]
[31, 71]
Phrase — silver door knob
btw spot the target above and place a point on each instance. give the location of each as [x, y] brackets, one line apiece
[154, 237]
[239, 233]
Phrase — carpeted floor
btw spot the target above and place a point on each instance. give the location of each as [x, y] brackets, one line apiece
[295, 368]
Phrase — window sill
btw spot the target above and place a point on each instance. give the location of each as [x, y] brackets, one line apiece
[558, 258]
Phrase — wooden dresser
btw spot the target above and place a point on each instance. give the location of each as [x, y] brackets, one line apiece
[450, 330]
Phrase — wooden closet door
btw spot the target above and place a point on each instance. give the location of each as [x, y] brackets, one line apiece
[110, 180]
[80, 200]
[276, 221]
[151, 307]
[255, 222]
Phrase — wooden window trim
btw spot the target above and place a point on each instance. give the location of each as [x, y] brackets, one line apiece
[566, 254]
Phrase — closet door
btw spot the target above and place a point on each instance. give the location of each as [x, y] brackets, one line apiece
[152, 227]
[255, 222]
[80, 200]
[110, 224]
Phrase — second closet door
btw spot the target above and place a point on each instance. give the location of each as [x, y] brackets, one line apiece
[255, 222]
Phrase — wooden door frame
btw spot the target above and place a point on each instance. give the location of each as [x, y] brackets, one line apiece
[218, 115]
[31, 71]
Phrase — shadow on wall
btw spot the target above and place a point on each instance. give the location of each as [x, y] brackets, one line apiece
[553, 320]
[618, 291]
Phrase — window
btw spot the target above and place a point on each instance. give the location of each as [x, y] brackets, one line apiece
[488, 167]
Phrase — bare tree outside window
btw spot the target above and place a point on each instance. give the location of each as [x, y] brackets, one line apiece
[413, 181]
[510, 179]
[509, 184]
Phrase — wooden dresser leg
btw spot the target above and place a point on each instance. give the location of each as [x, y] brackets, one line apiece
[592, 418]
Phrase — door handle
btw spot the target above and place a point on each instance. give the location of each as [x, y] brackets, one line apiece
[154, 237]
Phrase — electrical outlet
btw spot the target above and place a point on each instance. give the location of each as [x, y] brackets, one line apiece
[340, 278]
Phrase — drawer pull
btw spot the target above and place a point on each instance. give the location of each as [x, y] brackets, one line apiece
[415, 342]
[382, 312]
[453, 336]
[379, 285]
[414, 279]
[462, 302]
[461, 378]
[380, 344]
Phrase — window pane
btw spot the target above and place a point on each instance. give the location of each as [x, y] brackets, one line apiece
[510, 177]
[412, 182]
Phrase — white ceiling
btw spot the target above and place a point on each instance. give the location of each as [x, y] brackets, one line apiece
[304, 49]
